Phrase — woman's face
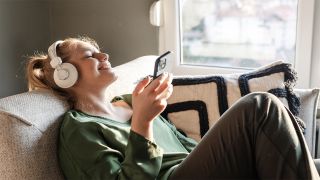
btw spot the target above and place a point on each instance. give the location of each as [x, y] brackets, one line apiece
[93, 66]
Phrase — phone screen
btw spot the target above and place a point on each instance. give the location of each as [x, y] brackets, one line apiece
[160, 64]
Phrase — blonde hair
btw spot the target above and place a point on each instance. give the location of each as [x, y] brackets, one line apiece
[39, 72]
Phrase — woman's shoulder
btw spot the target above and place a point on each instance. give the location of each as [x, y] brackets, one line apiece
[73, 118]
[75, 121]
[79, 117]
[74, 114]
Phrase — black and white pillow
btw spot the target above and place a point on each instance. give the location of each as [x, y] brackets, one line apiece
[197, 102]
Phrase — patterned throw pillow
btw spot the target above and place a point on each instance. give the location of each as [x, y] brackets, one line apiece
[197, 102]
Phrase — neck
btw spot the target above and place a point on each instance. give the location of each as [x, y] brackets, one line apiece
[93, 103]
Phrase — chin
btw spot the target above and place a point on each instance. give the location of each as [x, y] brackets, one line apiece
[115, 78]
[112, 77]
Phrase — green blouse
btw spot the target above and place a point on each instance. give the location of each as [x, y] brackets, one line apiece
[92, 147]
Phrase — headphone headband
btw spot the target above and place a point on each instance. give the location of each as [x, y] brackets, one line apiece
[52, 52]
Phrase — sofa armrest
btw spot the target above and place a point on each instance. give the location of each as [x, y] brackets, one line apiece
[308, 111]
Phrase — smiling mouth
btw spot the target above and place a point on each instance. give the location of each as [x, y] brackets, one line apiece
[104, 67]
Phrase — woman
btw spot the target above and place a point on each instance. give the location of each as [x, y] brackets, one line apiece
[127, 139]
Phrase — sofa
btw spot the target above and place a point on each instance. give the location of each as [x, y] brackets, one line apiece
[30, 124]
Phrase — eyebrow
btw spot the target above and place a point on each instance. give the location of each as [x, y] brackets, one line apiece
[89, 49]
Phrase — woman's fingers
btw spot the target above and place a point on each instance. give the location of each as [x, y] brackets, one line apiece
[164, 90]
[166, 93]
[164, 86]
[160, 88]
[169, 91]
[141, 85]
[154, 85]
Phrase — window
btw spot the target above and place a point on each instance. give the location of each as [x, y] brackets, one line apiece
[227, 36]
[238, 33]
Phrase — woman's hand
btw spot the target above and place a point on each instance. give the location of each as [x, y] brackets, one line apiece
[149, 99]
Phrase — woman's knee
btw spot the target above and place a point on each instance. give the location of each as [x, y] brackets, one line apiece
[262, 98]
[255, 107]
[261, 102]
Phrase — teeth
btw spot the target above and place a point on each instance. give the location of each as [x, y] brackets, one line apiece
[104, 66]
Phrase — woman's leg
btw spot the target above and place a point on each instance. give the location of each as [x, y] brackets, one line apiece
[255, 138]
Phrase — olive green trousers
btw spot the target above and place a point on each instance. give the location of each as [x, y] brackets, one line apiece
[257, 138]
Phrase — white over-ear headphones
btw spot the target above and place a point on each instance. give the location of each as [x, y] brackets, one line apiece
[65, 74]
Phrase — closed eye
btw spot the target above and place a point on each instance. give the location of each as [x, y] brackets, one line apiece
[88, 56]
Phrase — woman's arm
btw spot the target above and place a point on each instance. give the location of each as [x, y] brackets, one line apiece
[149, 99]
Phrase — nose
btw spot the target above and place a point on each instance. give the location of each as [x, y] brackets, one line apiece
[103, 57]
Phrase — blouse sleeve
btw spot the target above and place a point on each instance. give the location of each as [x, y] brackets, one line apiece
[88, 152]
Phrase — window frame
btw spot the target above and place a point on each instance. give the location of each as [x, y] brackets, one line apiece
[170, 39]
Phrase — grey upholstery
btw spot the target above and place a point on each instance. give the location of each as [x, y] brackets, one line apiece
[29, 134]
[317, 163]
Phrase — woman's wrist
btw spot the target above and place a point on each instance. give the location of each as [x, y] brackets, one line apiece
[145, 129]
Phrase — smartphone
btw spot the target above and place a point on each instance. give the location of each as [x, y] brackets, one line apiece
[160, 64]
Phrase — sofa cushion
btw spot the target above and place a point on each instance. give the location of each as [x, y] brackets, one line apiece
[26, 152]
[129, 74]
[39, 108]
[28, 135]
[197, 102]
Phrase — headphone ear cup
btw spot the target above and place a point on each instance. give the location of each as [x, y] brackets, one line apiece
[65, 76]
